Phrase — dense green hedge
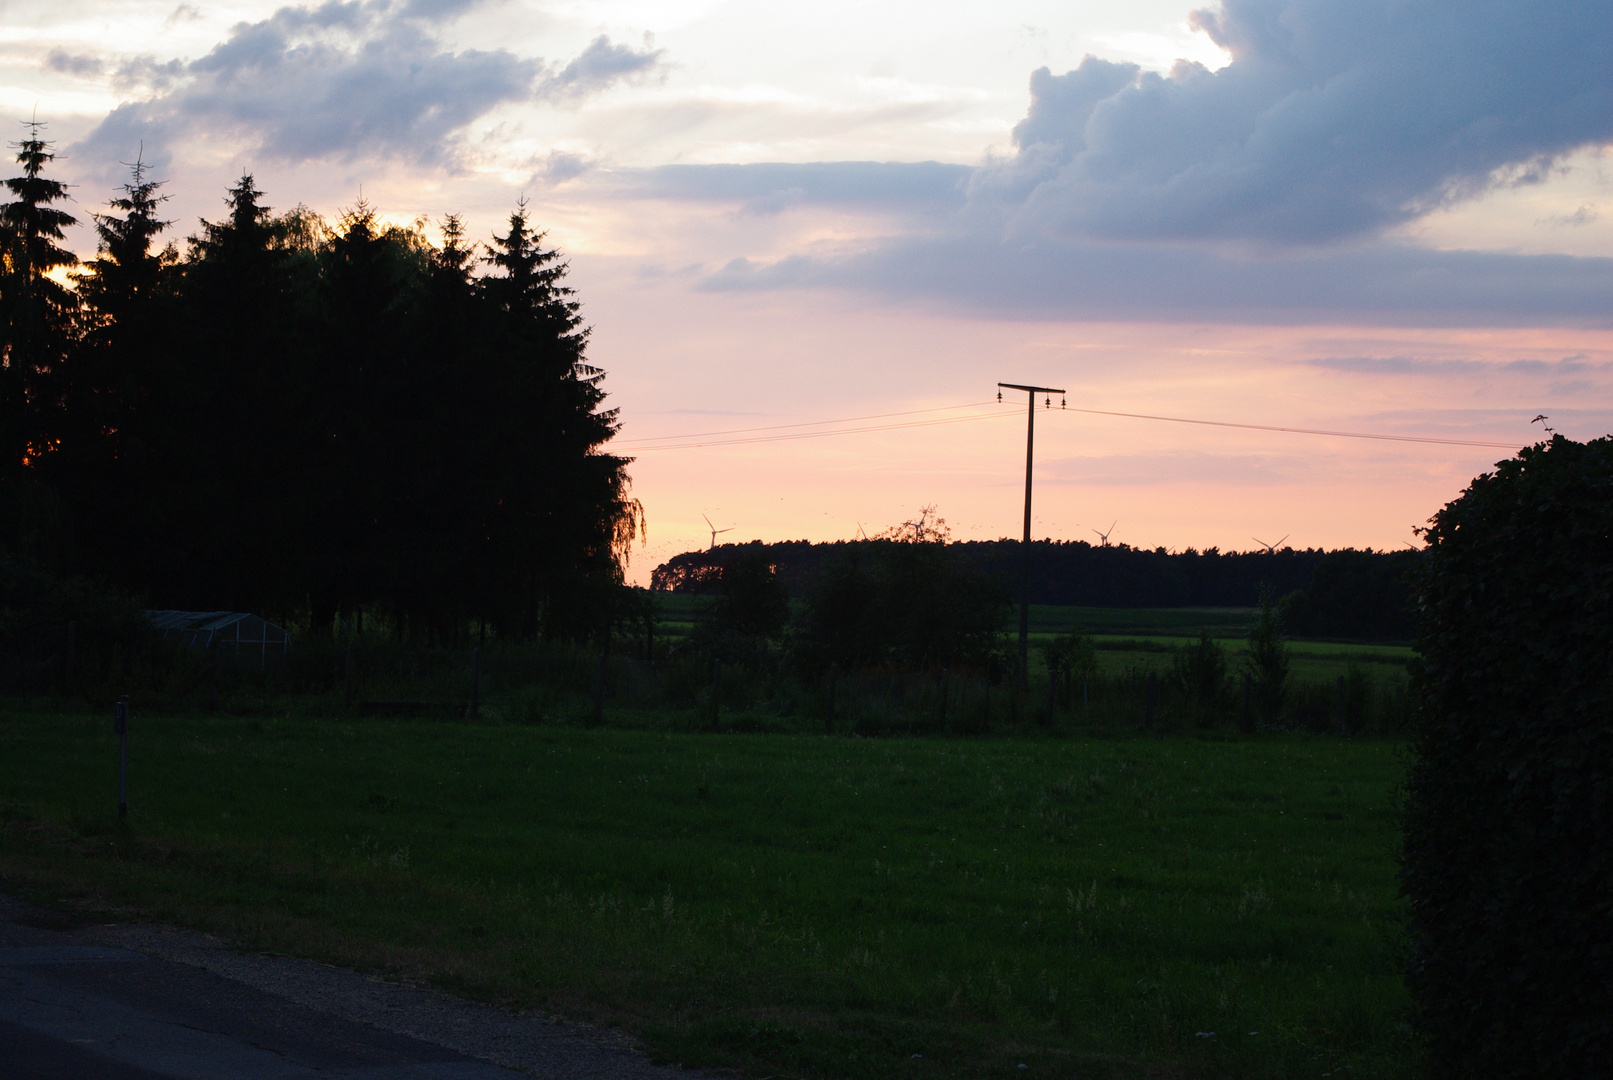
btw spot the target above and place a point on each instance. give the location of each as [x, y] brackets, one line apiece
[1508, 861]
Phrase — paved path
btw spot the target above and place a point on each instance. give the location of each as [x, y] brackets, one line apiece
[150, 1003]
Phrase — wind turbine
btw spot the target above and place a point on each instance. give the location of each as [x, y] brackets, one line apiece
[1104, 536]
[715, 531]
[1271, 549]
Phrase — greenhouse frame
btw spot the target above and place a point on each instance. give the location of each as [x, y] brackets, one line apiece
[236, 636]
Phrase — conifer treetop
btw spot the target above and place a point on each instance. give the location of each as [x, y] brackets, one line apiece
[38, 223]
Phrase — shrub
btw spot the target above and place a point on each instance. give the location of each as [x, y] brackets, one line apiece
[1201, 670]
[1072, 661]
[1267, 659]
[109, 637]
[902, 605]
[749, 611]
[1508, 858]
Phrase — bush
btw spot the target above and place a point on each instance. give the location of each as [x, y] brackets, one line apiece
[1267, 660]
[1201, 671]
[750, 609]
[45, 617]
[907, 606]
[1508, 859]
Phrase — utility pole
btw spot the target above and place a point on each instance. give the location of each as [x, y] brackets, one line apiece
[1025, 544]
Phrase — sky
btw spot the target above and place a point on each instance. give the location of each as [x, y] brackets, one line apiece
[811, 238]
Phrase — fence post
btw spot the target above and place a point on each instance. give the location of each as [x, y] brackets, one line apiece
[347, 678]
[1338, 705]
[1052, 690]
[72, 648]
[1245, 721]
[829, 721]
[716, 694]
[599, 690]
[475, 683]
[120, 724]
[216, 664]
[943, 699]
[1148, 712]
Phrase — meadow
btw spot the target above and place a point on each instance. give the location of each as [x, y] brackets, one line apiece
[783, 905]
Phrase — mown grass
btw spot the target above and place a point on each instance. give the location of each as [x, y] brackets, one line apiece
[781, 905]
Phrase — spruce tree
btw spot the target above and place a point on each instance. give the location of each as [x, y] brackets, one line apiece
[126, 318]
[126, 272]
[564, 513]
[115, 391]
[241, 403]
[38, 310]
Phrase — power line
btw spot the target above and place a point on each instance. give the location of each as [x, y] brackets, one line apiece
[804, 423]
[1302, 431]
[673, 442]
[816, 434]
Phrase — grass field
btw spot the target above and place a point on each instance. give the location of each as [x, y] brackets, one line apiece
[783, 905]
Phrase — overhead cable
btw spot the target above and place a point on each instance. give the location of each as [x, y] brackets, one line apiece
[697, 440]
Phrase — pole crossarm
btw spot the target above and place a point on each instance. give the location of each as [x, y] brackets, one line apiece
[1031, 389]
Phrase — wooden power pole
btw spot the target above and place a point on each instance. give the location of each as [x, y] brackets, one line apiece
[1025, 543]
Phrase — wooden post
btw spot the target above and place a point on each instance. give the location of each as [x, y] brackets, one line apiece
[716, 694]
[347, 679]
[216, 661]
[120, 724]
[599, 690]
[829, 721]
[1338, 705]
[72, 648]
[1245, 719]
[475, 683]
[1052, 690]
[943, 699]
[1148, 711]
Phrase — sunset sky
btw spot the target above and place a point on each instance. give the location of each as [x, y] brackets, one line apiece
[1354, 215]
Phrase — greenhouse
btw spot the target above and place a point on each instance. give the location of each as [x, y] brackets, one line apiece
[237, 636]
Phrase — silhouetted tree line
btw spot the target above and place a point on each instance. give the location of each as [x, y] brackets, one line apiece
[291, 417]
[1345, 593]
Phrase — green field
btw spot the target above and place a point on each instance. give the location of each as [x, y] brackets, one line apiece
[783, 905]
[1143, 639]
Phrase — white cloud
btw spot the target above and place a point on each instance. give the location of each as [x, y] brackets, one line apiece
[340, 81]
[1335, 120]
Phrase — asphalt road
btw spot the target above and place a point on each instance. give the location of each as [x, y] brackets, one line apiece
[142, 1003]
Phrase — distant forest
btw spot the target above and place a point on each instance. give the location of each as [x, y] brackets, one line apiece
[1345, 593]
[313, 420]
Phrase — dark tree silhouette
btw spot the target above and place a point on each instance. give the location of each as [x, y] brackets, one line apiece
[301, 419]
[38, 310]
[114, 392]
[555, 507]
